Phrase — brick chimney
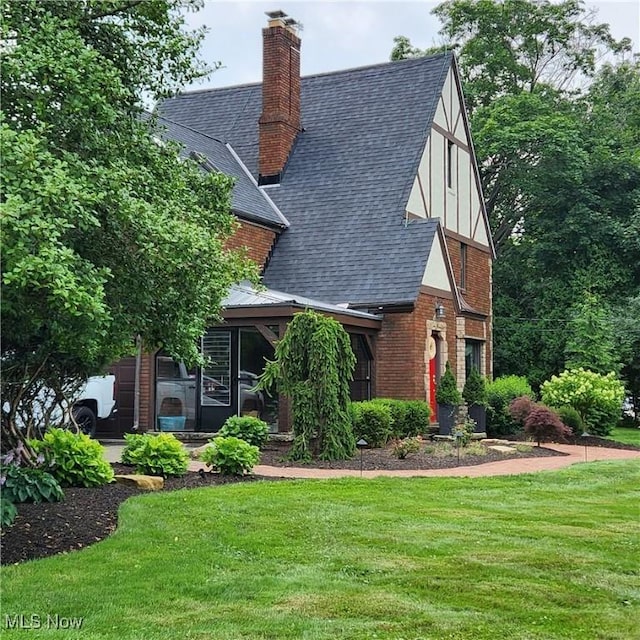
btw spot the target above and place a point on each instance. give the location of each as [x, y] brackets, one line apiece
[280, 121]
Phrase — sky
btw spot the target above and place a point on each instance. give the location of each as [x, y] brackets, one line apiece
[342, 34]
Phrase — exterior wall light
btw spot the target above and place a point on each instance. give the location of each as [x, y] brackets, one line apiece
[439, 311]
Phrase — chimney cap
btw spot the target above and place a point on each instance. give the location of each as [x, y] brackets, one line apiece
[274, 15]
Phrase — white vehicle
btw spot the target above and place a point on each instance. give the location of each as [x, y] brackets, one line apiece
[94, 400]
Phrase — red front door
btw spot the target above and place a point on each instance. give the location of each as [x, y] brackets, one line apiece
[433, 368]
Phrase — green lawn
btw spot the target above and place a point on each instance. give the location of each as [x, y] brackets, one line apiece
[535, 557]
[627, 435]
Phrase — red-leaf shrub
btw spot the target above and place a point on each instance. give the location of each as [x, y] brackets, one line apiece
[520, 408]
[544, 424]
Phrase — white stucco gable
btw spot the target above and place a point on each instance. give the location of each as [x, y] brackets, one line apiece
[447, 183]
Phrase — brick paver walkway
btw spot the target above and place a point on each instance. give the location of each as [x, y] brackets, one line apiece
[500, 468]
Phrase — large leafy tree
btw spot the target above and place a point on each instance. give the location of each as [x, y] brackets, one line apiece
[106, 234]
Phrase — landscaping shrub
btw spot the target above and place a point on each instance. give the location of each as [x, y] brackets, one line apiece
[409, 418]
[447, 389]
[544, 424]
[500, 393]
[158, 455]
[417, 418]
[570, 418]
[596, 397]
[475, 392]
[398, 412]
[74, 459]
[520, 408]
[133, 441]
[402, 448]
[371, 422]
[29, 484]
[247, 428]
[8, 512]
[463, 428]
[230, 455]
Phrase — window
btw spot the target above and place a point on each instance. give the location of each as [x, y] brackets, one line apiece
[472, 355]
[449, 164]
[361, 383]
[463, 265]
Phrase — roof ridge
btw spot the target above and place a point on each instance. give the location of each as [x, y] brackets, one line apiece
[321, 74]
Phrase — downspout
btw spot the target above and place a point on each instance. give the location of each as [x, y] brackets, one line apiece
[136, 392]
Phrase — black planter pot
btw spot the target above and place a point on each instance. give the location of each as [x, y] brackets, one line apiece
[446, 418]
[479, 415]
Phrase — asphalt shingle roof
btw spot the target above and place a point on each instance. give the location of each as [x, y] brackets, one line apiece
[247, 199]
[347, 181]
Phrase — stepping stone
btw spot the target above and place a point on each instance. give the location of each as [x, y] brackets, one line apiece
[501, 448]
[146, 483]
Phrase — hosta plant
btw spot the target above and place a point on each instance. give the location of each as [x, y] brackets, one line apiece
[247, 428]
[162, 454]
[230, 456]
[74, 459]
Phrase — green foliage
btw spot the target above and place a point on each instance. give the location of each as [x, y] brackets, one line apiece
[402, 448]
[571, 419]
[8, 512]
[597, 398]
[371, 422]
[500, 393]
[590, 341]
[417, 418]
[447, 390]
[161, 455]
[408, 417]
[625, 324]
[475, 392]
[133, 442]
[544, 424]
[29, 484]
[106, 235]
[313, 366]
[230, 455]
[74, 459]
[464, 428]
[247, 428]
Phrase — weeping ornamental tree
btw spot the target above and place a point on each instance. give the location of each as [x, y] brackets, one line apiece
[313, 367]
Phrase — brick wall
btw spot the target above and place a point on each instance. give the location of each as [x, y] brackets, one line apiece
[401, 362]
[257, 240]
[477, 293]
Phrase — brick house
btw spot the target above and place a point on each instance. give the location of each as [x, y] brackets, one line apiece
[358, 194]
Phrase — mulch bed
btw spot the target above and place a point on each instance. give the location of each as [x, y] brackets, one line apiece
[274, 454]
[87, 516]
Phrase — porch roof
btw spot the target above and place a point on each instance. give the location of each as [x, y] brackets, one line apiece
[245, 296]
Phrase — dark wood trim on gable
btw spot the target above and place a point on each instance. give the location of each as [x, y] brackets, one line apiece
[472, 243]
[472, 153]
[434, 291]
[449, 136]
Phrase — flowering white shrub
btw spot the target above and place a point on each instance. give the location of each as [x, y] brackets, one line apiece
[596, 397]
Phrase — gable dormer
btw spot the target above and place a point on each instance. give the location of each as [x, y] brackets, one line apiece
[447, 184]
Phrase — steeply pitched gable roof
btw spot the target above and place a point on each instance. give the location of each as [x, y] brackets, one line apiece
[347, 181]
